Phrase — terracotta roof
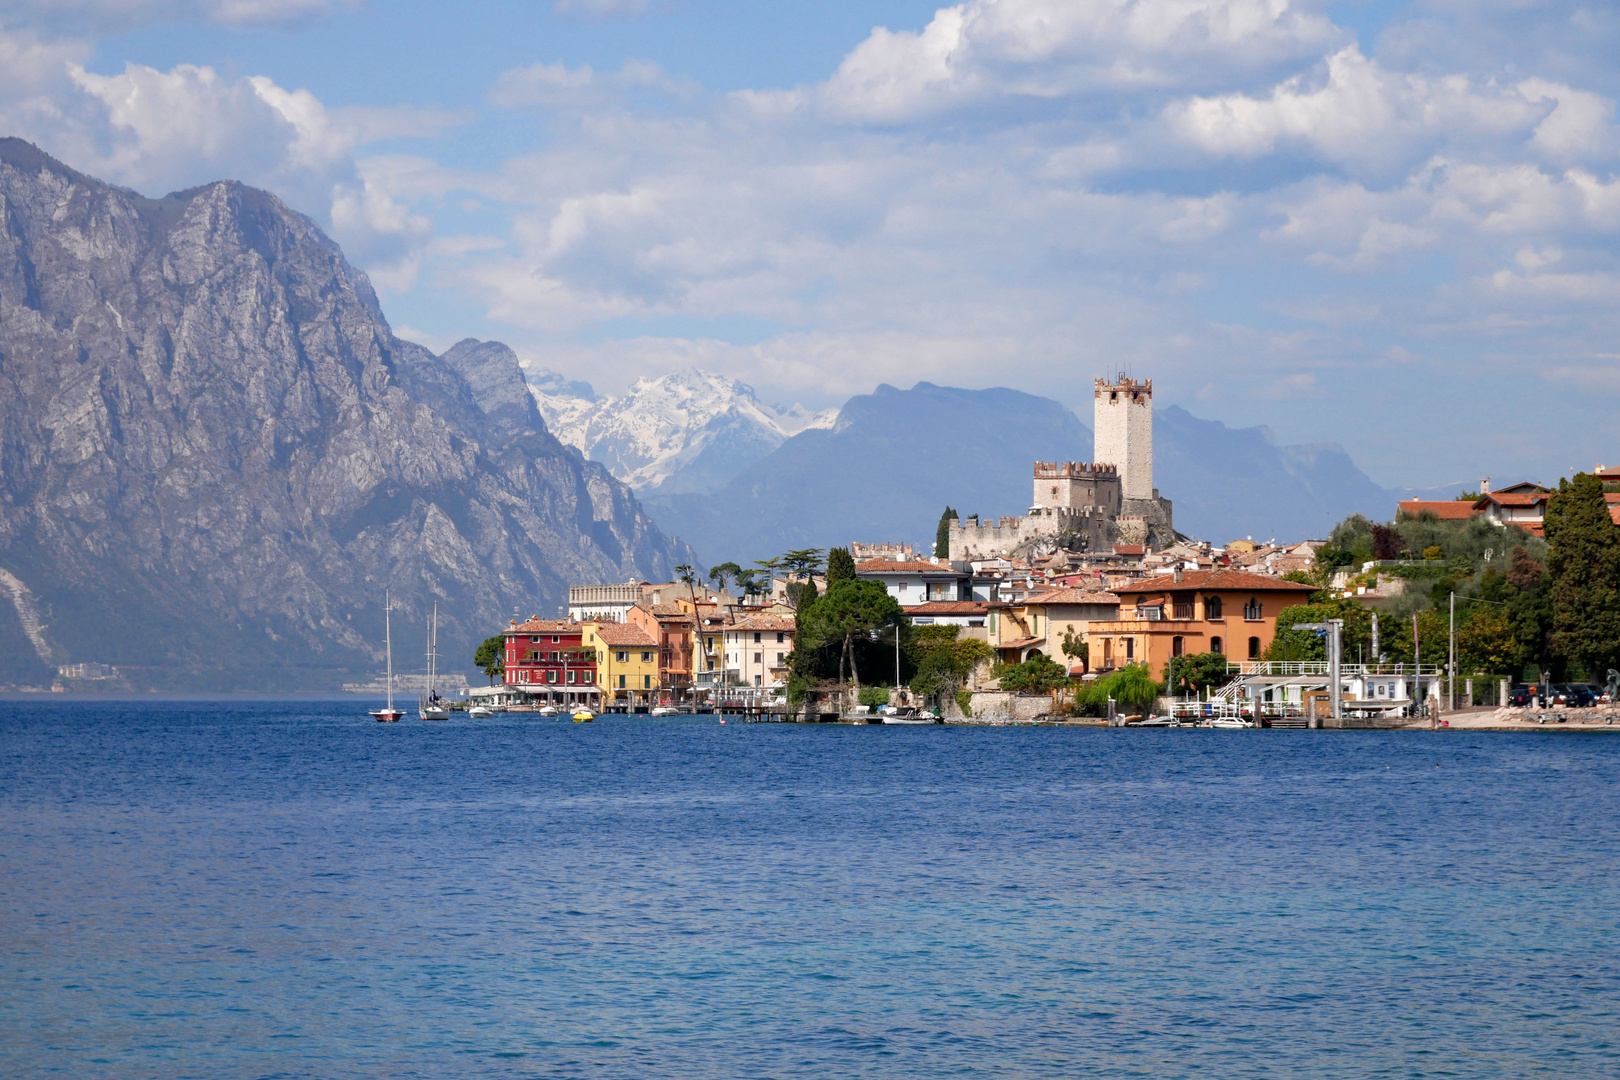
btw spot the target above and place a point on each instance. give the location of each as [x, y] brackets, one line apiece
[1130, 549]
[1513, 498]
[1213, 581]
[545, 626]
[1021, 643]
[667, 611]
[612, 633]
[776, 623]
[881, 566]
[1072, 596]
[948, 607]
[1444, 509]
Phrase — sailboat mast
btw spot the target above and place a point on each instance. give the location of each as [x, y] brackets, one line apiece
[388, 635]
[433, 654]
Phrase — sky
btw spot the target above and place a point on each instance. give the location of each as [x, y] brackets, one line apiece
[1389, 225]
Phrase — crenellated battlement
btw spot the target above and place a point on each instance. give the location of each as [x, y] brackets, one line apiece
[1076, 470]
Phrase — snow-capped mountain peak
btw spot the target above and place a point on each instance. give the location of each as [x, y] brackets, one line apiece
[687, 431]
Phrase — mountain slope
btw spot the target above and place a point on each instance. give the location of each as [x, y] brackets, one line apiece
[687, 431]
[896, 458]
[215, 455]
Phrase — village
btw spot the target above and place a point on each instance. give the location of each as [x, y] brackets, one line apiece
[1080, 610]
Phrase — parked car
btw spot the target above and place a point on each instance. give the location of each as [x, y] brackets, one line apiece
[1522, 696]
[1574, 695]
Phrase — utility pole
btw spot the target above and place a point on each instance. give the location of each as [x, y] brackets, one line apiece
[1451, 662]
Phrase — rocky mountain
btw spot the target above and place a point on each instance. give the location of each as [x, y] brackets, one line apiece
[895, 458]
[215, 456]
[685, 432]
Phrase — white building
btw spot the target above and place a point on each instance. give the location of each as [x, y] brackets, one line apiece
[756, 649]
[918, 582]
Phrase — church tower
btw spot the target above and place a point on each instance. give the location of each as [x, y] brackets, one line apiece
[1123, 412]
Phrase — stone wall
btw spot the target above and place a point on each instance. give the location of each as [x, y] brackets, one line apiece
[1006, 707]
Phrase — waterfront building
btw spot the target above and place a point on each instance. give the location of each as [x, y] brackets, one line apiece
[921, 580]
[1221, 611]
[626, 663]
[756, 648]
[674, 630]
[546, 659]
[1038, 623]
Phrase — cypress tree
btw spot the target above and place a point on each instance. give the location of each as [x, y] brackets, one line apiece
[942, 535]
[1583, 560]
[840, 566]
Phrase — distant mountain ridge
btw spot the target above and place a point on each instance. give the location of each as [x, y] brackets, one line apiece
[895, 458]
[683, 432]
[215, 456]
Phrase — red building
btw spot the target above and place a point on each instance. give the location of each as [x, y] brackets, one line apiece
[546, 656]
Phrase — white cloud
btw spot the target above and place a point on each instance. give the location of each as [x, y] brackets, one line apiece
[1045, 49]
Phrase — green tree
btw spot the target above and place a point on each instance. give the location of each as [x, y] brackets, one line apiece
[1131, 686]
[1530, 611]
[722, 575]
[1292, 644]
[942, 660]
[942, 535]
[491, 657]
[803, 563]
[849, 610]
[1075, 647]
[804, 662]
[1040, 673]
[840, 566]
[1195, 673]
[1583, 561]
[1487, 644]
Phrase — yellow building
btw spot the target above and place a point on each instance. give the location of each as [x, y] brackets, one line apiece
[1039, 622]
[626, 663]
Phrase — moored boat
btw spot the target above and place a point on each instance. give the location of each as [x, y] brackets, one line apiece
[584, 716]
[388, 714]
[430, 706]
[480, 712]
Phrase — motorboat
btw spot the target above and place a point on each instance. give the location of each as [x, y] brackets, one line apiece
[480, 712]
[584, 716]
[665, 710]
[430, 706]
[1154, 721]
[1230, 723]
[548, 710]
[910, 721]
[388, 714]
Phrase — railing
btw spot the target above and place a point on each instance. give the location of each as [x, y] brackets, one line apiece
[1320, 667]
[1184, 611]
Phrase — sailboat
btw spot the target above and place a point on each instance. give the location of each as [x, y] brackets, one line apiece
[430, 706]
[389, 715]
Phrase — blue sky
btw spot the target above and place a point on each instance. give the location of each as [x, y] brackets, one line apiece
[1388, 225]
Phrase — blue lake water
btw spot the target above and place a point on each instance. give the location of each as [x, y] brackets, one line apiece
[292, 890]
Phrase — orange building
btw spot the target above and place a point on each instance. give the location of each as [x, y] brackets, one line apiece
[1220, 611]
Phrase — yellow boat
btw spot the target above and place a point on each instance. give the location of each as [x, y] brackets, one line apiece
[584, 716]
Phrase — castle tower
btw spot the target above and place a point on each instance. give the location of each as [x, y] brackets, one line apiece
[1124, 422]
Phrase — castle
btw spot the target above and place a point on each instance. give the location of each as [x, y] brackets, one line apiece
[1086, 506]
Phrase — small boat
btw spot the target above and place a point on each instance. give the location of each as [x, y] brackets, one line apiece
[1229, 723]
[1153, 721]
[910, 721]
[548, 710]
[389, 714]
[430, 706]
[665, 710]
[480, 712]
[584, 716]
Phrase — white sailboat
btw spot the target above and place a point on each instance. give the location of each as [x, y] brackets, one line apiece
[430, 706]
[388, 715]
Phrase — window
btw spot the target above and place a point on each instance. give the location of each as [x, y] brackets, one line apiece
[536, 639]
[1130, 648]
[551, 676]
[1054, 491]
[646, 656]
[756, 639]
[756, 658]
[1212, 608]
[781, 638]
[621, 682]
[622, 656]
[1215, 645]
[587, 677]
[555, 640]
[1252, 610]
[573, 676]
[646, 682]
[1254, 648]
[1177, 645]
[778, 659]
